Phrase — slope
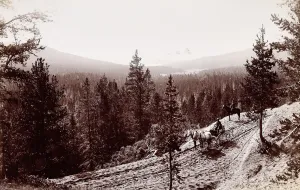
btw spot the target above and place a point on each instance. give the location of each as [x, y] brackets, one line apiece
[237, 166]
[61, 62]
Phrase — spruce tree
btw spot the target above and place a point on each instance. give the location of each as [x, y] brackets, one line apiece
[191, 108]
[227, 94]
[9, 118]
[156, 108]
[86, 123]
[42, 122]
[149, 84]
[199, 108]
[290, 44]
[261, 80]
[139, 87]
[169, 134]
[103, 128]
[118, 134]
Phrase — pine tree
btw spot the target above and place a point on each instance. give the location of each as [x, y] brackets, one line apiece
[184, 107]
[215, 103]
[149, 84]
[156, 108]
[260, 81]
[207, 117]
[169, 134]
[118, 133]
[199, 108]
[291, 44]
[139, 87]
[191, 108]
[9, 118]
[86, 121]
[42, 122]
[227, 94]
[103, 128]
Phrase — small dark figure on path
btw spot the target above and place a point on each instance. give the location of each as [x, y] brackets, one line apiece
[232, 110]
[219, 126]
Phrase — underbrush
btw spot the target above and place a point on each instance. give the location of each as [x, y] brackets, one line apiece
[132, 153]
[291, 145]
[269, 149]
[31, 182]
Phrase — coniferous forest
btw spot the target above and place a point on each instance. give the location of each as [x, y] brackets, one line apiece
[63, 124]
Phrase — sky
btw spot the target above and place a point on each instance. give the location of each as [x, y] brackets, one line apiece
[162, 30]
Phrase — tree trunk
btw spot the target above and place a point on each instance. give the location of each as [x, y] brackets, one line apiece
[260, 128]
[170, 169]
[2, 175]
[90, 138]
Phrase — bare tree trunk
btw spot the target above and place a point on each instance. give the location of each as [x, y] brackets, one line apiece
[170, 169]
[260, 128]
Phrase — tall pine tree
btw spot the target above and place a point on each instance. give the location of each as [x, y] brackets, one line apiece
[139, 87]
[291, 44]
[260, 81]
[42, 122]
[156, 108]
[191, 108]
[169, 134]
[86, 116]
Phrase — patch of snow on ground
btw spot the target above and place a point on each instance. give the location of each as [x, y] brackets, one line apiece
[232, 168]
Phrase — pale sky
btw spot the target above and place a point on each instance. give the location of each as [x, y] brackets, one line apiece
[111, 30]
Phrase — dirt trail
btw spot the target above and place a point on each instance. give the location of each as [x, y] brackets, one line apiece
[198, 169]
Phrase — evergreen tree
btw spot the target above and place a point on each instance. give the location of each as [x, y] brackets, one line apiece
[184, 107]
[104, 129]
[169, 134]
[139, 87]
[291, 44]
[149, 84]
[156, 108]
[9, 118]
[191, 108]
[15, 55]
[71, 142]
[86, 122]
[260, 81]
[118, 134]
[227, 94]
[199, 108]
[206, 106]
[41, 122]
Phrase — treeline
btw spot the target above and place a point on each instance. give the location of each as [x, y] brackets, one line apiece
[201, 95]
[77, 122]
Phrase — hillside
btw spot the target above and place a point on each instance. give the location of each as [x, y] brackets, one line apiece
[237, 166]
[61, 62]
[234, 59]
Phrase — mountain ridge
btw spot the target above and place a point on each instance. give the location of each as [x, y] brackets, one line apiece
[61, 62]
[232, 59]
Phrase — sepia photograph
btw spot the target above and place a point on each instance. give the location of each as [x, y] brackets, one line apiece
[149, 94]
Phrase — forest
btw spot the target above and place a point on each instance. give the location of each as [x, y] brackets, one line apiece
[58, 125]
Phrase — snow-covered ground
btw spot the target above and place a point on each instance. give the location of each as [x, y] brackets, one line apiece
[237, 166]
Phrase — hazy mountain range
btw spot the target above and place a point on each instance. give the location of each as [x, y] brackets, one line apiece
[61, 62]
[234, 59]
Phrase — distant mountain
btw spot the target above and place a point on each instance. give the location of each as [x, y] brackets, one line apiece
[61, 62]
[220, 61]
